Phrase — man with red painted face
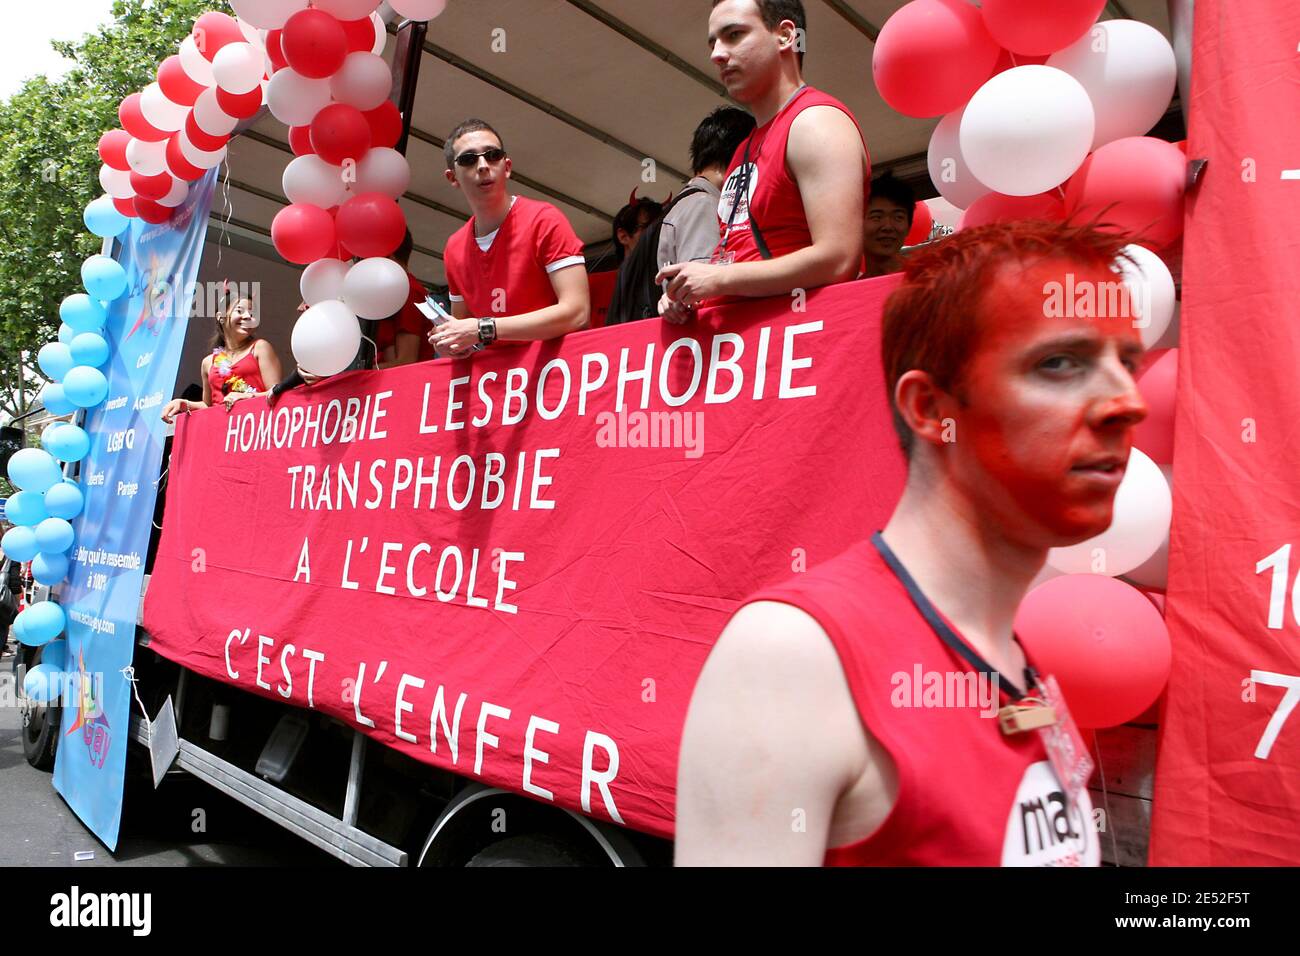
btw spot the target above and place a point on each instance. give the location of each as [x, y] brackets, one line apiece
[793, 202]
[801, 745]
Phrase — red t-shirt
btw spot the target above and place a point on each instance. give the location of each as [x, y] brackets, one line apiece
[410, 320]
[968, 795]
[772, 196]
[513, 277]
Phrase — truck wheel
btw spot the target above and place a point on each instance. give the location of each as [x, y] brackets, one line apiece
[537, 849]
[40, 721]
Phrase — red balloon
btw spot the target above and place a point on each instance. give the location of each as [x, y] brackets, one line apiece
[214, 30]
[1158, 383]
[274, 50]
[996, 207]
[302, 233]
[204, 140]
[133, 121]
[112, 149]
[151, 187]
[385, 125]
[126, 207]
[342, 253]
[1037, 28]
[176, 83]
[360, 34]
[372, 225]
[922, 225]
[931, 57]
[1105, 643]
[240, 106]
[181, 167]
[339, 133]
[1134, 185]
[300, 140]
[314, 43]
[152, 212]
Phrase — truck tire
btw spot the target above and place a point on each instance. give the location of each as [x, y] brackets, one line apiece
[40, 721]
[535, 849]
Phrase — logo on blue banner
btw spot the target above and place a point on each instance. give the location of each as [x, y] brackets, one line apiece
[146, 328]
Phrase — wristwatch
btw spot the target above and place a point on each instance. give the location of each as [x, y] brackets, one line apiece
[487, 331]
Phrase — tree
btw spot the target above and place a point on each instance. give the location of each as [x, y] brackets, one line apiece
[49, 172]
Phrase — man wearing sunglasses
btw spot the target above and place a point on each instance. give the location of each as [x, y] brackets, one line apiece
[516, 270]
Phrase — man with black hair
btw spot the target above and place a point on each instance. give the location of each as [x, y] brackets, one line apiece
[889, 220]
[793, 203]
[630, 222]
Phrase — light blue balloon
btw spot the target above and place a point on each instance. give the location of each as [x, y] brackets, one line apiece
[20, 630]
[64, 500]
[26, 509]
[34, 469]
[104, 278]
[89, 348]
[69, 443]
[55, 655]
[85, 387]
[82, 313]
[49, 430]
[66, 333]
[19, 544]
[42, 683]
[55, 400]
[103, 219]
[54, 535]
[49, 569]
[42, 623]
[55, 360]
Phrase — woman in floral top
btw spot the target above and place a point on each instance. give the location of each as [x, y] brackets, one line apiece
[241, 364]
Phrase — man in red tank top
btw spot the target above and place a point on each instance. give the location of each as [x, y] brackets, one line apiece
[848, 716]
[793, 203]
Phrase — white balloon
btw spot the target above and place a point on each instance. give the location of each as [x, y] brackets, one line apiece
[1151, 291]
[323, 280]
[1027, 130]
[238, 68]
[364, 81]
[160, 112]
[116, 182]
[948, 170]
[1143, 508]
[347, 9]
[311, 180]
[376, 288]
[252, 34]
[1154, 572]
[212, 119]
[295, 99]
[381, 33]
[267, 14]
[418, 9]
[326, 338]
[196, 66]
[147, 159]
[382, 170]
[1129, 71]
[180, 191]
[201, 158]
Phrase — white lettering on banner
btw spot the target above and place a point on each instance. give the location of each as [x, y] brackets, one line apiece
[127, 489]
[144, 360]
[113, 404]
[410, 693]
[146, 402]
[96, 478]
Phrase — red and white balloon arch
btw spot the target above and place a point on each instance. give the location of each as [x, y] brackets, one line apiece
[317, 65]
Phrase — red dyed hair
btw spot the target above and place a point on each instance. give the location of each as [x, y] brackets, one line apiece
[931, 320]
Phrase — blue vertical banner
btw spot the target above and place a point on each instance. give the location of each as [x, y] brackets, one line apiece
[146, 331]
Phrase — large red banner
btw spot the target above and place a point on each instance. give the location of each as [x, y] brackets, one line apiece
[513, 567]
[1228, 771]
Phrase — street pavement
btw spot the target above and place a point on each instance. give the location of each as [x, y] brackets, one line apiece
[37, 828]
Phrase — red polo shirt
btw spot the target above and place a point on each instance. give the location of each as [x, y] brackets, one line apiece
[513, 276]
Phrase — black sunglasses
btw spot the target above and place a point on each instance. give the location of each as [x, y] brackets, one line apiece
[469, 160]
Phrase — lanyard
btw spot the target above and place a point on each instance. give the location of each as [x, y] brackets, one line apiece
[742, 185]
[945, 633]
